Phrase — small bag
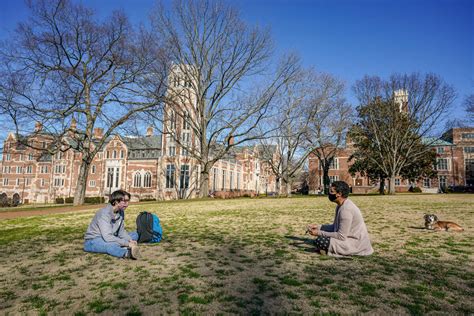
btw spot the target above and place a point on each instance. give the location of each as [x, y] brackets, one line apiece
[149, 228]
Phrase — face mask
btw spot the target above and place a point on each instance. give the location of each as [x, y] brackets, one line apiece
[332, 197]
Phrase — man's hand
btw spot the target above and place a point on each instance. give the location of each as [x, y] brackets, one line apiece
[312, 229]
[132, 243]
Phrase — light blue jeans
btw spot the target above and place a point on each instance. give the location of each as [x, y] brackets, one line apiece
[99, 245]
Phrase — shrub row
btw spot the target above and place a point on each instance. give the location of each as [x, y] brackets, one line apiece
[89, 200]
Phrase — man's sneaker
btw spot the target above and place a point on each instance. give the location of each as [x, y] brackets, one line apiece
[134, 252]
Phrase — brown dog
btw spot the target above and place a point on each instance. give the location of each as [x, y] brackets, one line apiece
[431, 222]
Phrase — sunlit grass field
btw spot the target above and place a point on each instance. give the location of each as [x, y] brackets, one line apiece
[245, 256]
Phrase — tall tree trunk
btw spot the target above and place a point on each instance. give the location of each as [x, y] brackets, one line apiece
[278, 186]
[288, 188]
[81, 184]
[382, 186]
[204, 184]
[326, 179]
[391, 186]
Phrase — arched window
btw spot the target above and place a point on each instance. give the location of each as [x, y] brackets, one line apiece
[137, 180]
[147, 180]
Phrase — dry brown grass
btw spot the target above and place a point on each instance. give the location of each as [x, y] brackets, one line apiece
[245, 256]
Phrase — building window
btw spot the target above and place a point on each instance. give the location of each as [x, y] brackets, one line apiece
[42, 182]
[20, 157]
[443, 181]
[427, 182]
[333, 178]
[231, 180]
[171, 151]
[58, 182]
[28, 181]
[29, 169]
[186, 136]
[172, 121]
[18, 169]
[223, 179]
[469, 150]
[186, 124]
[184, 177]
[117, 176]
[147, 180]
[110, 177]
[60, 169]
[5, 181]
[214, 179]
[92, 183]
[8, 157]
[442, 164]
[467, 135]
[113, 175]
[137, 180]
[93, 169]
[107, 154]
[114, 154]
[170, 176]
[30, 156]
[238, 181]
[122, 154]
[397, 181]
[17, 181]
[334, 164]
[440, 150]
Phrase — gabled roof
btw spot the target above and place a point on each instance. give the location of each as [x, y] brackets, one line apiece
[433, 141]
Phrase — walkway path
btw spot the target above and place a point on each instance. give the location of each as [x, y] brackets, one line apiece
[24, 212]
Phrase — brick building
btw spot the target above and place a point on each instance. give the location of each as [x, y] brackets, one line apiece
[455, 166]
[149, 166]
[139, 165]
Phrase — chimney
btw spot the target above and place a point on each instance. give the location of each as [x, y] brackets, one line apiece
[98, 132]
[38, 127]
[149, 131]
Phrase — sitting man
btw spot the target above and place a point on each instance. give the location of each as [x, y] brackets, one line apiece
[347, 235]
[106, 233]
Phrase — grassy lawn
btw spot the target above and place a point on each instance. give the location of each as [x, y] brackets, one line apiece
[245, 256]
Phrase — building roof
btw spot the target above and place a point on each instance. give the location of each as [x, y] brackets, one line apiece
[143, 142]
[433, 141]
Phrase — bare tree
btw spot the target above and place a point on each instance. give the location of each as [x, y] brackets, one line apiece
[329, 123]
[395, 116]
[72, 73]
[469, 107]
[298, 108]
[220, 84]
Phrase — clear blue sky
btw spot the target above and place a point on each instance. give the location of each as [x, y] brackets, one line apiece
[348, 38]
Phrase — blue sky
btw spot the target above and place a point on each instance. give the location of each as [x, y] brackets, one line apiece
[346, 38]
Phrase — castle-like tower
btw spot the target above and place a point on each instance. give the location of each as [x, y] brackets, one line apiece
[400, 97]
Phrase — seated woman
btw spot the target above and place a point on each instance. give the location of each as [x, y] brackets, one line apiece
[347, 235]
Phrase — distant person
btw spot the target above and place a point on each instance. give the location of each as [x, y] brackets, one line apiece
[347, 235]
[106, 233]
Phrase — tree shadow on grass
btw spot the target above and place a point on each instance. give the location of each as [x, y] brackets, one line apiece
[306, 244]
[417, 227]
